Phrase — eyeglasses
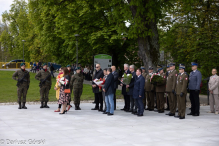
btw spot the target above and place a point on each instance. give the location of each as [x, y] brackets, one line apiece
[97, 67]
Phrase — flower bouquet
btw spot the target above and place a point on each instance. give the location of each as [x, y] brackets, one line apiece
[126, 80]
[156, 78]
[99, 82]
[62, 81]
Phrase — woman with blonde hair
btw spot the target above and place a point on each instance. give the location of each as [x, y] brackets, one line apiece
[57, 88]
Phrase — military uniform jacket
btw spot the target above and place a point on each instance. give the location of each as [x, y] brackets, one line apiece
[195, 79]
[148, 86]
[41, 75]
[77, 81]
[181, 84]
[144, 75]
[19, 74]
[160, 87]
[171, 81]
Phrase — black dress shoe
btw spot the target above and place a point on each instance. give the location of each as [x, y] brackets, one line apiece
[161, 112]
[100, 110]
[181, 117]
[122, 109]
[140, 115]
[105, 113]
[109, 114]
[136, 114]
[190, 113]
[133, 112]
[168, 113]
[151, 110]
[130, 110]
[147, 109]
[156, 111]
[177, 116]
[171, 114]
[94, 102]
[195, 115]
[95, 108]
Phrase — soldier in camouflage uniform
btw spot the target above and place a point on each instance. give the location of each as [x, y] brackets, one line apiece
[160, 89]
[181, 91]
[23, 78]
[44, 77]
[77, 85]
[170, 89]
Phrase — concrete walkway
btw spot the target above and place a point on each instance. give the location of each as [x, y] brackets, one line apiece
[36, 126]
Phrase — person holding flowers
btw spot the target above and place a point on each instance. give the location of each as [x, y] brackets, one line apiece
[64, 84]
[160, 84]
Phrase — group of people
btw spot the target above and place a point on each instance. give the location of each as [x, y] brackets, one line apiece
[141, 91]
[66, 82]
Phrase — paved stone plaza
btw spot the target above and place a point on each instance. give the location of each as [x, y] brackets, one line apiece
[92, 128]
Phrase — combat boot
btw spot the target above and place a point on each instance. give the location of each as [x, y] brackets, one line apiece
[76, 107]
[79, 107]
[46, 106]
[24, 107]
[19, 105]
[41, 105]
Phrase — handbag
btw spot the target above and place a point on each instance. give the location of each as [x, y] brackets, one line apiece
[67, 91]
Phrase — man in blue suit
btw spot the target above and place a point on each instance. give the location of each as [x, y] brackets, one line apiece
[195, 78]
[109, 92]
[138, 92]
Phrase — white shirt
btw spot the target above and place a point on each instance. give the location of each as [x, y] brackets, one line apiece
[194, 70]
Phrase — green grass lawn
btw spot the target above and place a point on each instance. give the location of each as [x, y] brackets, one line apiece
[8, 89]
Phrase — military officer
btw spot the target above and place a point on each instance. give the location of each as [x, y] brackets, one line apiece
[149, 90]
[160, 89]
[77, 85]
[23, 78]
[144, 74]
[195, 78]
[44, 77]
[181, 91]
[170, 89]
[167, 99]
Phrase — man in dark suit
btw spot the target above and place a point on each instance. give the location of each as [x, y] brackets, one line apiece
[138, 92]
[116, 76]
[195, 78]
[98, 94]
[109, 92]
[126, 96]
[133, 106]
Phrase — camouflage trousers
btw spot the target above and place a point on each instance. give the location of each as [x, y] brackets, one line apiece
[77, 95]
[44, 93]
[21, 91]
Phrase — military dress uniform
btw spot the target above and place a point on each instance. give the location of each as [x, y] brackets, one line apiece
[45, 87]
[181, 92]
[170, 89]
[195, 78]
[22, 86]
[77, 85]
[148, 92]
[160, 89]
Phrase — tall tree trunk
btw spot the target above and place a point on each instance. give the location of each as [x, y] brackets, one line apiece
[148, 46]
